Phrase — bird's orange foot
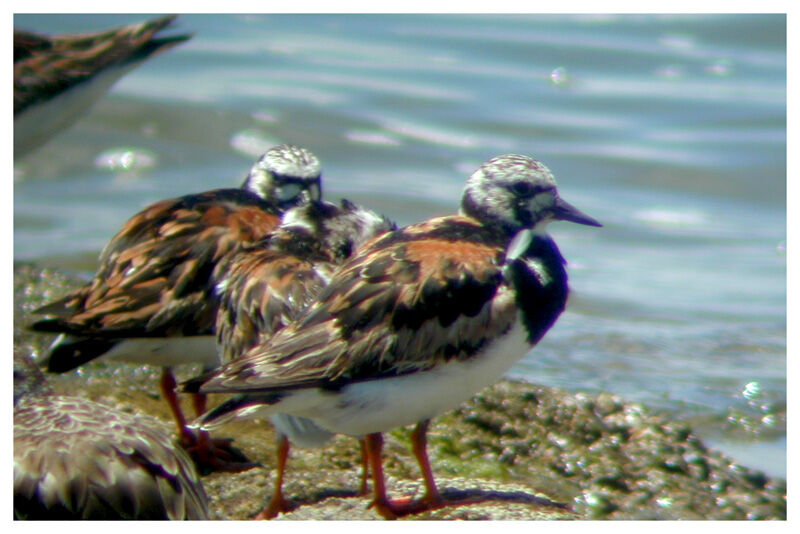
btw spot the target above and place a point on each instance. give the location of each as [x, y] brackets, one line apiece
[392, 509]
[278, 505]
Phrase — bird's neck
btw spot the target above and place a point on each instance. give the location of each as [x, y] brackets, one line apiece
[539, 277]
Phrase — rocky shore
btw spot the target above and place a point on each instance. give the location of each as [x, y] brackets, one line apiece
[530, 452]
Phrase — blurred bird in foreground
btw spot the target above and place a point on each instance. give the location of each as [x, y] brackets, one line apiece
[77, 459]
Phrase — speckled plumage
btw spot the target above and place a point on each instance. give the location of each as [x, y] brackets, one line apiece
[417, 321]
[155, 274]
[78, 459]
[264, 287]
[152, 298]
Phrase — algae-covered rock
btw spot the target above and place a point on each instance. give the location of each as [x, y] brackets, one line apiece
[529, 452]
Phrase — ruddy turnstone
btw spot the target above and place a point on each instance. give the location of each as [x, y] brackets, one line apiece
[264, 287]
[416, 322]
[78, 459]
[57, 79]
[152, 299]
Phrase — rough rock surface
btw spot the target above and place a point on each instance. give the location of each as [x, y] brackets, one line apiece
[531, 452]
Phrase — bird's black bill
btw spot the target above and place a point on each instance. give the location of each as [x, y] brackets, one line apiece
[564, 211]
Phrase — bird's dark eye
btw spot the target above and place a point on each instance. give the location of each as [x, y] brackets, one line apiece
[523, 189]
[345, 249]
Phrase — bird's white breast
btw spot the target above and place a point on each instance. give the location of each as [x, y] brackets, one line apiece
[382, 404]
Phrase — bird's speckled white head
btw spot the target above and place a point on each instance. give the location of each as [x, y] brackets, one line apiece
[339, 230]
[353, 227]
[517, 192]
[283, 173]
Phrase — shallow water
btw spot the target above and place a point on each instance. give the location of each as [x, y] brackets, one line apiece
[671, 130]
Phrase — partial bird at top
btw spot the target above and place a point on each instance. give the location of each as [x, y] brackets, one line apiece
[57, 79]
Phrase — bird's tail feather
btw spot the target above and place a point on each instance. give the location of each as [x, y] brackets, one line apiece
[243, 406]
[69, 352]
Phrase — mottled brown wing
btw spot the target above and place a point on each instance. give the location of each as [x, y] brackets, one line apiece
[154, 277]
[416, 298]
[261, 291]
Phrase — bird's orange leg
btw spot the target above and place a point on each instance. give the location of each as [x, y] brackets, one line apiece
[363, 490]
[278, 504]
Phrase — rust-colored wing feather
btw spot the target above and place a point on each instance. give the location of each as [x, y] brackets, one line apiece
[411, 300]
[264, 291]
[154, 278]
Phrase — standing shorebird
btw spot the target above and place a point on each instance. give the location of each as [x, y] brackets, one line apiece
[77, 459]
[57, 79]
[152, 299]
[416, 322]
[264, 287]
